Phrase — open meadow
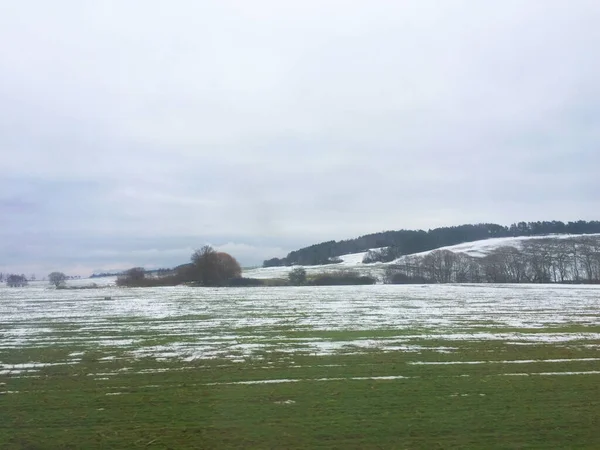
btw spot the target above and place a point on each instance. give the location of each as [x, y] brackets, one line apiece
[353, 367]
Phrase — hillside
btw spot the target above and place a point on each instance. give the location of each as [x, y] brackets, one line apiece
[480, 249]
[406, 242]
[549, 258]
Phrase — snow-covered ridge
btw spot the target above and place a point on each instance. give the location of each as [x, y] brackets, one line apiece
[353, 261]
[479, 249]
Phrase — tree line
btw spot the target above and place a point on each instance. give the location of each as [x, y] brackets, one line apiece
[6, 276]
[544, 260]
[405, 242]
[207, 268]
[14, 280]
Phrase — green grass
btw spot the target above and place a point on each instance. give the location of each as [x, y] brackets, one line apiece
[192, 405]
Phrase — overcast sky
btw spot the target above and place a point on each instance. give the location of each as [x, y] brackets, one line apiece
[132, 132]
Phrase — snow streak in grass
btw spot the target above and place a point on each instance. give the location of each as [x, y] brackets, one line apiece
[181, 323]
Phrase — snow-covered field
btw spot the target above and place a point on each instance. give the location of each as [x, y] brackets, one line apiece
[194, 323]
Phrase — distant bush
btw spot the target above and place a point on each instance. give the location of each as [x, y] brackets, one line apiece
[57, 279]
[214, 268]
[340, 278]
[396, 277]
[16, 280]
[382, 255]
[208, 268]
[76, 288]
[274, 262]
[136, 277]
[297, 276]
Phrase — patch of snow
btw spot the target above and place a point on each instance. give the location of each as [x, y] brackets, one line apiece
[517, 361]
[483, 247]
[590, 372]
[238, 324]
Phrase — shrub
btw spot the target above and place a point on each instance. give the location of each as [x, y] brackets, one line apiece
[135, 276]
[297, 276]
[395, 277]
[382, 255]
[57, 278]
[341, 278]
[214, 268]
[16, 280]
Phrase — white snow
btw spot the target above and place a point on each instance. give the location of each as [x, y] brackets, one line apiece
[196, 324]
[482, 248]
[515, 361]
[395, 378]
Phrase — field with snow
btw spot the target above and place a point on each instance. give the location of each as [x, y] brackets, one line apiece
[384, 366]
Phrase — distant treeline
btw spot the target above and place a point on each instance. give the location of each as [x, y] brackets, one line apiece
[405, 242]
[298, 277]
[122, 273]
[13, 280]
[105, 274]
[208, 268]
[542, 260]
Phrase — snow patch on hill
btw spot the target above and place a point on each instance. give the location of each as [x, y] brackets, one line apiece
[349, 262]
[477, 249]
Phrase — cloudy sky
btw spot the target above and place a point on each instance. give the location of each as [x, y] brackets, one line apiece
[132, 132]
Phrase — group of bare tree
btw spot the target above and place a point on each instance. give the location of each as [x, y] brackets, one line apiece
[207, 268]
[550, 260]
[13, 280]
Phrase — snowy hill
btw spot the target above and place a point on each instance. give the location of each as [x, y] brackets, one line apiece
[476, 249]
[479, 249]
[352, 261]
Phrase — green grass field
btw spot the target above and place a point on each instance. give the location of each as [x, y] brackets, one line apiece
[420, 390]
[307, 401]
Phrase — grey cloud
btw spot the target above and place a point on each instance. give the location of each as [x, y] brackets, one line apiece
[132, 132]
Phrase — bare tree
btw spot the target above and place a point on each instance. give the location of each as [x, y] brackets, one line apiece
[214, 268]
[16, 280]
[297, 276]
[539, 258]
[57, 278]
[539, 261]
[575, 257]
[132, 277]
[589, 251]
[562, 259]
[462, 268]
